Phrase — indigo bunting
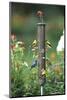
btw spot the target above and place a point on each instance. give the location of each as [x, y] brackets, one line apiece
[34, 64]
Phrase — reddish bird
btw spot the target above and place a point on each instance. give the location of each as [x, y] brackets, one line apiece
[40, 14]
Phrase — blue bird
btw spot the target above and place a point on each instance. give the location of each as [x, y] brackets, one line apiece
[34, 64]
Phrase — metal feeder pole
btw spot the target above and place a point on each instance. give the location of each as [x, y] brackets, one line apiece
[41, 53]
[41, 90]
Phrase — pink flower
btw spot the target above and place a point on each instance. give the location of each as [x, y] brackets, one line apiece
[12, 46]
[13, 37]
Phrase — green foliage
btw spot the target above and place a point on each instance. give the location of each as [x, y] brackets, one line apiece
[25, 81]
[17, 84]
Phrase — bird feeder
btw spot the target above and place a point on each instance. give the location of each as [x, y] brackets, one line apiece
[41, 51]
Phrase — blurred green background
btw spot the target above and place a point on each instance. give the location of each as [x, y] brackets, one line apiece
[24, 22]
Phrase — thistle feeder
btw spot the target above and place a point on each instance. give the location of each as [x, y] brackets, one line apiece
[41, 52]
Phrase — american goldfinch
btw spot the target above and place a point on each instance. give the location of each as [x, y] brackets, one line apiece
[48, 44]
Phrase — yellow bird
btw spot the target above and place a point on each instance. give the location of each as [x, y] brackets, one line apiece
[48, 44]
[34, 42]
[43, 72]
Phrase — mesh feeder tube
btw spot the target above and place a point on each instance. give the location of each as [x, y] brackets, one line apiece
[41, 51]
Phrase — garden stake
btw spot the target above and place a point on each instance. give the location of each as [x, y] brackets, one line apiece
[41, 51]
